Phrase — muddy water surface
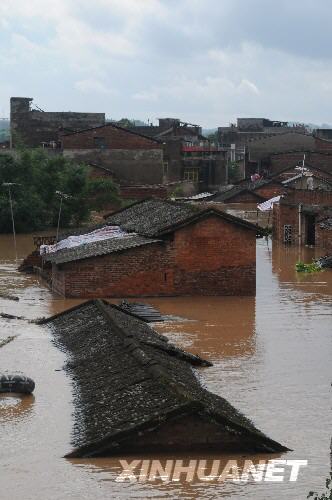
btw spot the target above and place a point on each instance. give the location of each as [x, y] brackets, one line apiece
[272, 359]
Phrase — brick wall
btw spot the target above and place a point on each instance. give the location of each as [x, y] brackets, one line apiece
[314, 158]
[142, 192]
[112, 137]
[285, 214]
[211, 257]
[270, 190]
[310, 197]
[245, 197]
[323, 145]
[324, 239]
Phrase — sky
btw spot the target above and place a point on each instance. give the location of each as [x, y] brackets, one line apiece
[204, 61]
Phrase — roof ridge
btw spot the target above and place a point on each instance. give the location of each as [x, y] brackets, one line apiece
[44, 321]
[150, 365]
[110, 124]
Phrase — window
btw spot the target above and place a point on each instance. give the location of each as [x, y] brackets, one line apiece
[191, 174]
[288, 233]
[99, 142]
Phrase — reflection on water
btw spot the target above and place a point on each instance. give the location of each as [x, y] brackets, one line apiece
[271, 355]
[15, 407]
[216, 329]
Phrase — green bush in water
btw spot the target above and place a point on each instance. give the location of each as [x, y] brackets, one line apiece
[301, 267]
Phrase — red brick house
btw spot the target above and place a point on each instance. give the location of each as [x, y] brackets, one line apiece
[295, 217]
[166, 249]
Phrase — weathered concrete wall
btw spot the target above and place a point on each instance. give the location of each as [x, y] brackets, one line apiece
[210, 257]
[132, 158]
[129, 166]
[34, 127]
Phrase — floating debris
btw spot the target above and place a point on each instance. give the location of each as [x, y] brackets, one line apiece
[16, 382]
[8, 296]
[144, 311]
[325, 262]
[7, 340]
[11, 316]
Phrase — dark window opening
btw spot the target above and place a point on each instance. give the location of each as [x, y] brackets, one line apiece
[99, 142]
[310, 229]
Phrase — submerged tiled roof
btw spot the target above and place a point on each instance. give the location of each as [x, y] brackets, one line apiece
[97, 248]
[155, 217]
[128, 380]
[151, 216]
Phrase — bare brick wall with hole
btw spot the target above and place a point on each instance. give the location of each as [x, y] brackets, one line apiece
[210, 257]
[285, 214]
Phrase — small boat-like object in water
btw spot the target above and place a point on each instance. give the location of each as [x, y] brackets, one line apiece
[16, 382]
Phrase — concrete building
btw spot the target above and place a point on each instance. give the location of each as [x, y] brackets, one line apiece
[247, 129]
[163, 249]
[189, 157]
[35, 128]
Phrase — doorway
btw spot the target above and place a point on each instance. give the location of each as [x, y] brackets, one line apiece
[310, 229]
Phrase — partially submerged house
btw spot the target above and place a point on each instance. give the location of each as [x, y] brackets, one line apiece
[158, 248]
[296, 215]
[134, 392]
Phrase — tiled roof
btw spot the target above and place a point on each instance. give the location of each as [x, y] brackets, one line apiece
[96, 248]
[154, 217]
[128, 380]
[243, 187]
[150, 217]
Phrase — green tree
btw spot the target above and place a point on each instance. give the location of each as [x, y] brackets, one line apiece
[37, 177]
[102, 192]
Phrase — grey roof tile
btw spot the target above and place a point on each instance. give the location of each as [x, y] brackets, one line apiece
[97, 248]
[127, 378]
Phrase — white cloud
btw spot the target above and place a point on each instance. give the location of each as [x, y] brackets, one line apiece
[160, 57]
[92, 86]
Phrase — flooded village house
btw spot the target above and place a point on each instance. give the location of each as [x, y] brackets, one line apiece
[298, 218]
[156, 404]
[161, 248]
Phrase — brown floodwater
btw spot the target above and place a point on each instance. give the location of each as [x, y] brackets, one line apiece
[272, 359]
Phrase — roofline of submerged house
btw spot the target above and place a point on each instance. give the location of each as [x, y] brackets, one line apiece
[197, 213]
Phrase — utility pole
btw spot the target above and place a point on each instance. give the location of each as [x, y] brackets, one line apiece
[9, 185]
[62, 196]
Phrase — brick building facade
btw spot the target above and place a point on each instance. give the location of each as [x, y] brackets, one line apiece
[133, 158]
[295, 217]
[180, 250]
